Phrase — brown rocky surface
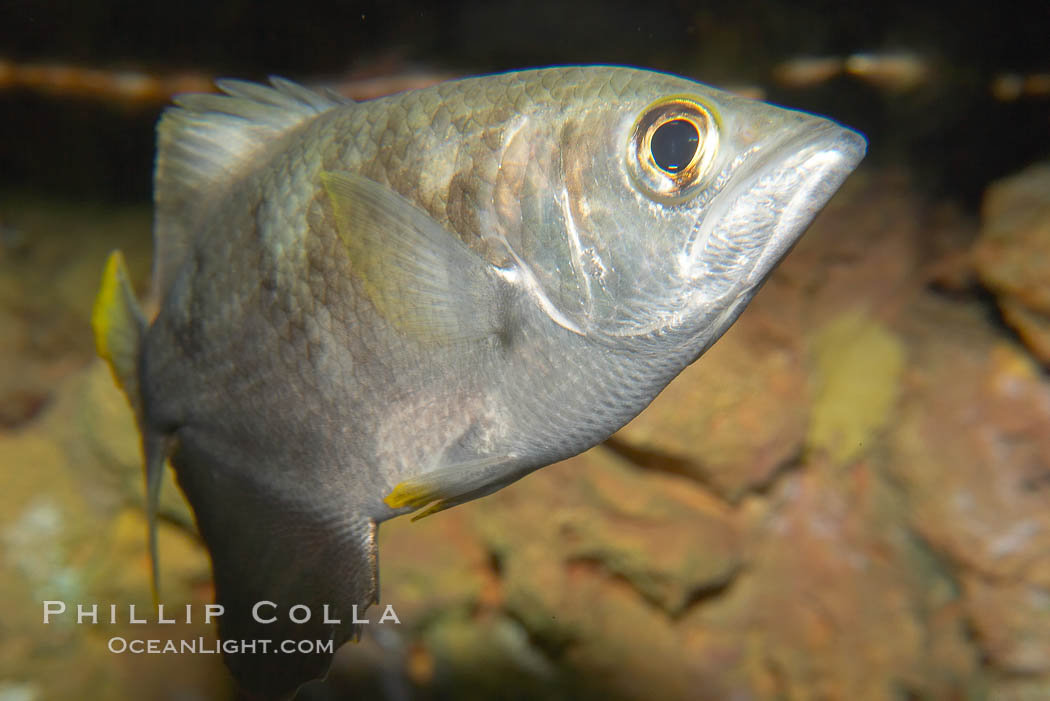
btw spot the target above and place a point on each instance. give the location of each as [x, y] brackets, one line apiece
[838, 600]
[981, 500]
[1012, 256]
[72, 530]
[48, 267]
[848, 497]
[731, 421]
[71, 526]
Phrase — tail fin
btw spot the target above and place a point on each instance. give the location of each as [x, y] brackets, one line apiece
[120, 326]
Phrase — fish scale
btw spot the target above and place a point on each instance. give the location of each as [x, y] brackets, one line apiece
[374, 309]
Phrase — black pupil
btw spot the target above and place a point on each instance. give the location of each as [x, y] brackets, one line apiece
[674, 144]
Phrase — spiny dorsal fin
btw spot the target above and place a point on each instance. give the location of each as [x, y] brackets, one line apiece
[204, 140]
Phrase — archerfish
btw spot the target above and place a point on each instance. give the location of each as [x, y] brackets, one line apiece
[376, 308]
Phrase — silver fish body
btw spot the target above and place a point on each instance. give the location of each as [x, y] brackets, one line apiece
[367, 309]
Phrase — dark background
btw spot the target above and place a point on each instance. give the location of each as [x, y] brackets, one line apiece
[951, 133]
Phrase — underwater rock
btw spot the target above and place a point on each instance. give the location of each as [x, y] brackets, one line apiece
[595, 602]
[71, 526]
[1012, 256]
[72, 531]
[666, 538]
[863, 254]
[45, 293]
[431, 569]
[1013, 623]
[735, 418]
[20, 397]
[837, 599]
[972, 453]
[857, 368]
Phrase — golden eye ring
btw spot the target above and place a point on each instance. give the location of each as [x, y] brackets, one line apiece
[672, 145]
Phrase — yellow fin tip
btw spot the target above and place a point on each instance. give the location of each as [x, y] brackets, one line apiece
[106, 301]
[408, 494]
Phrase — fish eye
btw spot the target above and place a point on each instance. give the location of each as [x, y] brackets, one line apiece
[672, 145]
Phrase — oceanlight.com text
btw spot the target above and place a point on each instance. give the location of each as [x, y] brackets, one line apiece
[207, 646]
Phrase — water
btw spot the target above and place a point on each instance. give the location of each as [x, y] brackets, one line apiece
[847, 498]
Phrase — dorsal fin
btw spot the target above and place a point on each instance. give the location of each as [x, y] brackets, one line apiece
[207, 138]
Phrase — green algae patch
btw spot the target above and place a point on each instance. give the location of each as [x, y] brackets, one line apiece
[857, 372]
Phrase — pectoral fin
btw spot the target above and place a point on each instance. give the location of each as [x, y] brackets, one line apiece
[424, 280]
[446, 487]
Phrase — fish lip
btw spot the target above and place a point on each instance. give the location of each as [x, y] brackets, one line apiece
[823, 136]
[822, 157]
[851, 145]
[796, 147]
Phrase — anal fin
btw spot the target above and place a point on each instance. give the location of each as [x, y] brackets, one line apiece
[279, 548]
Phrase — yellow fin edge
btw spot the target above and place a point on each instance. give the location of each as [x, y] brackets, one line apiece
[118, 325]
[102, 316]
[411, 494]
[416, 496]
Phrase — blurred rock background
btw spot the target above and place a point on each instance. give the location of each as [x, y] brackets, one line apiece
[848, 497]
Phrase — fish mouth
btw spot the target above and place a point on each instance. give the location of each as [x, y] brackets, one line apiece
[812, 167]
[770, 202]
